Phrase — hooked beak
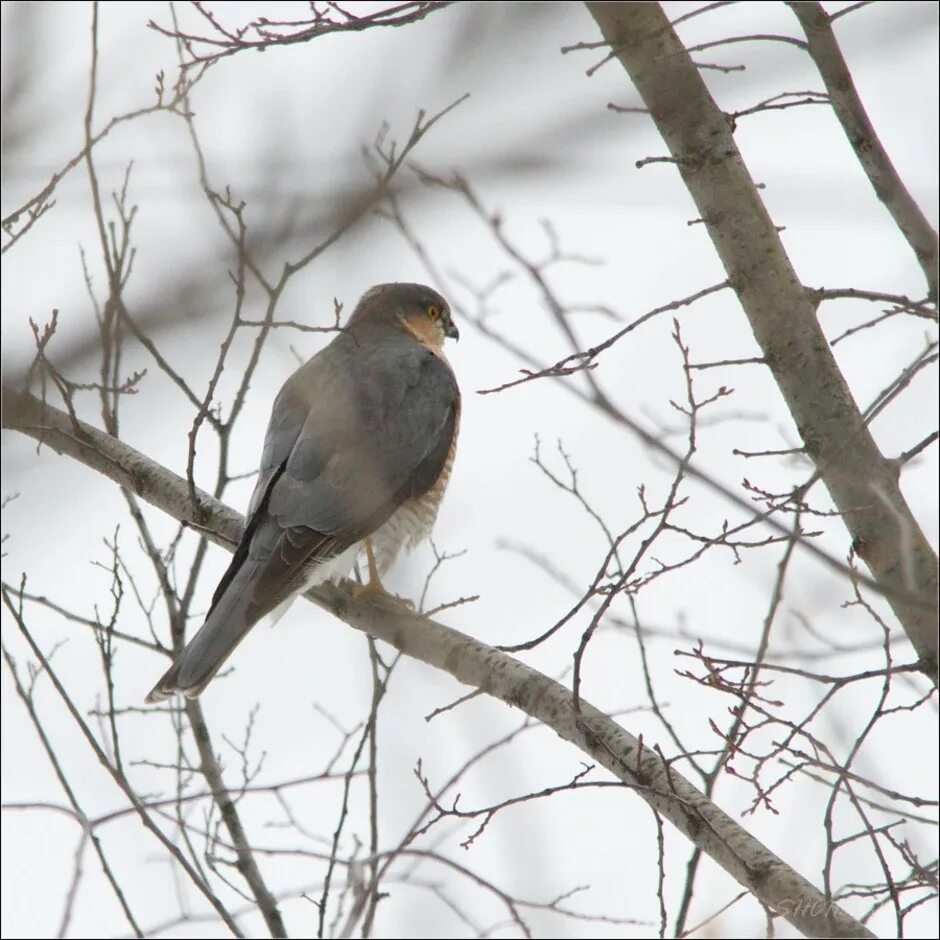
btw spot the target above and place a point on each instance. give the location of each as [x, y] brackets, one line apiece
[451, 330]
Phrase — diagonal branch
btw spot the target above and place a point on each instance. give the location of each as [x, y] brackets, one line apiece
[643, 769]
[246, 864]
[133, 798]
[863, 484]
[884, 178]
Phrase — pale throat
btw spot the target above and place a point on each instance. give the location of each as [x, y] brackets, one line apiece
[424, 330]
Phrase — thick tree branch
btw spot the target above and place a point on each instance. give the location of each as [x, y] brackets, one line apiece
[863, 484]
[871, 154]
[643, 769]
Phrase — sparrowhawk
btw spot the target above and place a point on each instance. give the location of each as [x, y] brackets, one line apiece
[357, 455]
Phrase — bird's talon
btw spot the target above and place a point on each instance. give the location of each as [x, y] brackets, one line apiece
[370, 587]
[377, 588]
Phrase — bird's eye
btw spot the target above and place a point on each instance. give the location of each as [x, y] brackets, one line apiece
[434, 313]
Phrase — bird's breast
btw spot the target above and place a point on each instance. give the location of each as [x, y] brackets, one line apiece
[413, 520]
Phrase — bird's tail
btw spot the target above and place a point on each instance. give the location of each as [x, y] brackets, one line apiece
[229, 620]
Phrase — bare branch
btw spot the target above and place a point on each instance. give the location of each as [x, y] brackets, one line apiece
[858, 128]
[222, 42]
[476, 664]
[887, 535]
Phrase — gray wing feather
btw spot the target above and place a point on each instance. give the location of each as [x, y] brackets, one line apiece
[291, 409]
[388, 412]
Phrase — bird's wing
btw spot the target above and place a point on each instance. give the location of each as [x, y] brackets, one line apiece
[361, 428]
[382, 439]
[356, 460]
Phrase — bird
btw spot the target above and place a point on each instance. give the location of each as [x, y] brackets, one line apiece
[357, 455]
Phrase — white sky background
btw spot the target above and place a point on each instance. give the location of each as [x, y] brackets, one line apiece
[284, 130]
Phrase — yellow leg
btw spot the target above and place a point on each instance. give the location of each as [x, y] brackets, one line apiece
[374, 584]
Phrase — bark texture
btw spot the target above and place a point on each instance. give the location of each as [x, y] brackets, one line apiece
[862, 482]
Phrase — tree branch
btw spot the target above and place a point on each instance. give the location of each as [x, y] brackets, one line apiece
[643, 769]
[825, 52]
[863, 484]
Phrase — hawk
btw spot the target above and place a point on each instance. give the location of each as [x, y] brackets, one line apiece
[358, 452]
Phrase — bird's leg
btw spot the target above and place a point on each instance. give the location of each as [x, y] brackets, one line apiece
[374, 584]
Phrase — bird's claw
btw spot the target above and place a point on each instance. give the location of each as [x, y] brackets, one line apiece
[375, 587]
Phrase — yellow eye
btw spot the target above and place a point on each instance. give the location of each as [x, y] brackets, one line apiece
[434, 313]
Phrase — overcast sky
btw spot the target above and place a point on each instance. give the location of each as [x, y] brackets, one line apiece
[285, 131]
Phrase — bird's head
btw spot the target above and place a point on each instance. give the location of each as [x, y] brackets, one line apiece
[417, 309]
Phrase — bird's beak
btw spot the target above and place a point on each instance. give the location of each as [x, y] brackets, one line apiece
[451, 330]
